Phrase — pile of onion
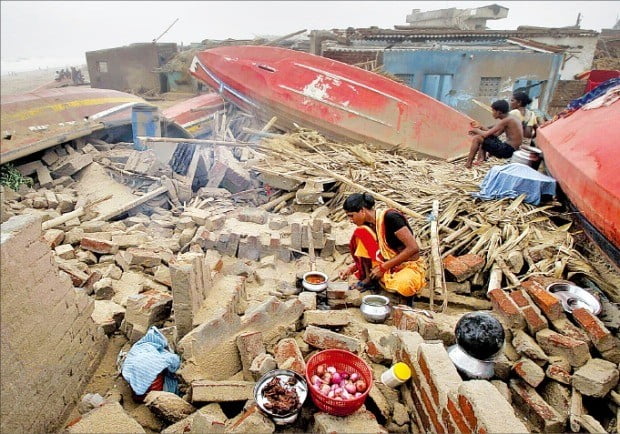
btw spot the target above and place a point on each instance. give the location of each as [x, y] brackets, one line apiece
[341, 386]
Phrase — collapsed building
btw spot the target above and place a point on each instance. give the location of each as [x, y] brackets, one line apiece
[209, 247]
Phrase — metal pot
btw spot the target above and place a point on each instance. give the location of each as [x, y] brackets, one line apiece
[375, 308]
[470, 366]
[527, 155]
[307, 281]
[284, 375]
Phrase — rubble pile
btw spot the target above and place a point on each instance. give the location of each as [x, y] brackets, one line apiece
[218, 271]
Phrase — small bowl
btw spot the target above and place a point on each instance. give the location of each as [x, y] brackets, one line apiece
[314, 281]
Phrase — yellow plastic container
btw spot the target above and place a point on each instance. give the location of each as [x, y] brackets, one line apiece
[396, 375]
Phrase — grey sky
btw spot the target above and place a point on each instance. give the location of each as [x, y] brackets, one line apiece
[67, 29]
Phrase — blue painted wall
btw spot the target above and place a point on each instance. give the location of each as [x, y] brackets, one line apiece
[453, 76]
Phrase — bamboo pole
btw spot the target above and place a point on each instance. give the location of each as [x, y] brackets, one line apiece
[311, 247]
[346, 180]
[495, 280]
[269, 124]
[71, 215]
[438, 277]
[271, 204]
[285, 37]
[132, 204]
[198, 141]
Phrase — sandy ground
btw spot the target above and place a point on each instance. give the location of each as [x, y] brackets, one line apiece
[21, 82]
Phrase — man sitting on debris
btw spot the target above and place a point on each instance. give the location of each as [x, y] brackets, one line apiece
[383, 247]
[487, 141]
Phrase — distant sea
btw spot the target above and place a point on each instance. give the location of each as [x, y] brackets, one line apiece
[25, 64]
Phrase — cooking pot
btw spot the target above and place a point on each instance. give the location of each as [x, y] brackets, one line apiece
[528, 155]
[375, 308]
[314, 281]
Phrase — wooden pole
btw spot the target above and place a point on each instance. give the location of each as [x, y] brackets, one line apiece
[284, 38]
[63, 218]
[495, 280]
[71, 215]
[346, 180]
[269, 124]
[271, 204]
[198, 141]
[438, 277]
[132, 204]
[311, 247]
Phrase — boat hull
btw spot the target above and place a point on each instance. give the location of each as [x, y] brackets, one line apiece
[582, 152]
[343, 102]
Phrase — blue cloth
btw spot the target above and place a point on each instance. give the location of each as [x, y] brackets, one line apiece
[146, 359]
[514, 179]
[593, 94]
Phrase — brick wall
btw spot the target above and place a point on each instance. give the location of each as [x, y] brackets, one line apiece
[353, 57]
[565, 92]
[50, 345]
[442, 402]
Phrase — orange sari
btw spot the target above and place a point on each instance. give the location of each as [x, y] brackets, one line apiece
[372, 248]
[406, 278]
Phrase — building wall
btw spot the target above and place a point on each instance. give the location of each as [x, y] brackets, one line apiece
[467, 67]
[50, 345]
[130, 68]
[579, 53]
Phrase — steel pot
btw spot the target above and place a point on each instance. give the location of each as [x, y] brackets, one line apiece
[308, 281]
[527, 155]
[375, 308]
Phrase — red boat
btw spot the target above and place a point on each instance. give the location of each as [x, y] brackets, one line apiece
[582, 152]
[195, 114]
[34, 121]
[343, 102]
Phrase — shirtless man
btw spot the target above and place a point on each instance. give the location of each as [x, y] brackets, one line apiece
[487, 141]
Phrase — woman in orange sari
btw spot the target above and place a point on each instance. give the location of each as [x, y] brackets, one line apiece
[384, 248]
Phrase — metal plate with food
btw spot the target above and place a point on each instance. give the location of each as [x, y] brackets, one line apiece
[280, 394]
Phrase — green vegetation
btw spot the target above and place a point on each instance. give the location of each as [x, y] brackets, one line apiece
[10, 177]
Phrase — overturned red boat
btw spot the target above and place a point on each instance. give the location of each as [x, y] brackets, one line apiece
[582, 152]
[343, 102]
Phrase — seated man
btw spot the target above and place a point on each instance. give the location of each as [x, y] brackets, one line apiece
[383, 247]
[487, 141]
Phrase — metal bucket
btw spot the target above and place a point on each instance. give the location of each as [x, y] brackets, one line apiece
[527, 155]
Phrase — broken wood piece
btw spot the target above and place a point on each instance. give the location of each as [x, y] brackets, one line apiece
[495, 279]
[78, 212]
[311, 247]
[285, 37]
[269, 124]
[133, 204]
[438, 276]
[346, 180]
[198, 141]
[271, 204]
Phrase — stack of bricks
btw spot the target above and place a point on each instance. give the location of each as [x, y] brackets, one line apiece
[47, 332]
[441, 401]
[548, 350]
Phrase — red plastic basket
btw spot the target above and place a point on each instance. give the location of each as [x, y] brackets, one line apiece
[343, 361]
